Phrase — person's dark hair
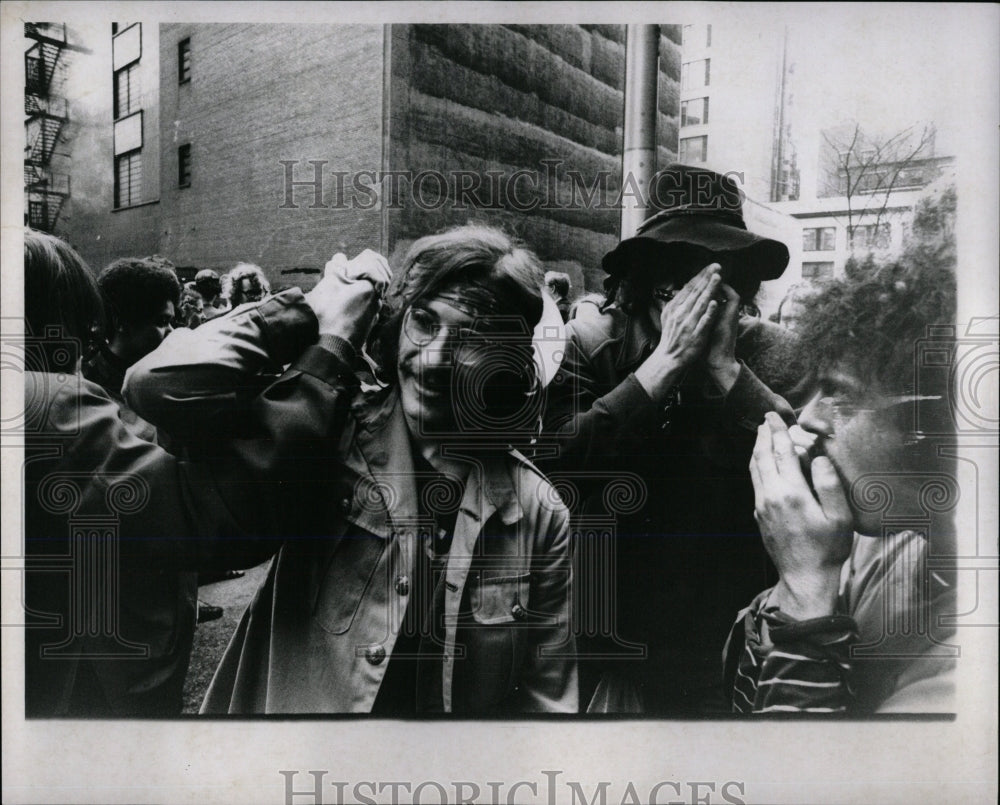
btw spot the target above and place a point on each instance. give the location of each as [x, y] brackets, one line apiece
[59, 291]
[649, 261]
[467, 255]
[208, 287]
[874, 325]
[558, 283]
[135, 290]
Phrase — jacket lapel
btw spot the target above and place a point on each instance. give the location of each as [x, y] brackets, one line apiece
[636, 345]
[385, 496]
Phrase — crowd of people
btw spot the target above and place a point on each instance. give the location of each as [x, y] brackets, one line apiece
[668, 511]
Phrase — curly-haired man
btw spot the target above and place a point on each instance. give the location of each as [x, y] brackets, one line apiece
[855, 623]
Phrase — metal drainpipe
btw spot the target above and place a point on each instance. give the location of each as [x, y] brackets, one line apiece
[639, 142]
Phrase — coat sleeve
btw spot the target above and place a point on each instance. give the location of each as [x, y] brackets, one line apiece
[266, 451]
[590, 422]
[83, 465]
[790, 667]
[594, 417]
[201, 384]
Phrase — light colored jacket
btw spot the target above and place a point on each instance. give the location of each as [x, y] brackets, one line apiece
[320, 632]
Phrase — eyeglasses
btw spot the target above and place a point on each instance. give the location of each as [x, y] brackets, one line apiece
[842, 407]
[746, 294]
[664, 294]
[421, 326]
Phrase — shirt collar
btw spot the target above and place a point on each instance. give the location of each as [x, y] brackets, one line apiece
[384, 440]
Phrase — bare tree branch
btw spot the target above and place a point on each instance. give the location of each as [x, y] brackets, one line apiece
[867, 171]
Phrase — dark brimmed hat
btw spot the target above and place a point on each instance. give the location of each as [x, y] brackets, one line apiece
[699, 207]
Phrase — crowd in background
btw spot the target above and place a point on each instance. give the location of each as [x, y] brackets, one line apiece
[432, 492]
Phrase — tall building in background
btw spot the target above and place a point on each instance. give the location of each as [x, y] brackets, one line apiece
[731, 82]
[830, 191]
[785, 177]
[732, 86]
[215, 143]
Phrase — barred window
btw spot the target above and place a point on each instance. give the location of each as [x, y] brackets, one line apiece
[184, 165]
[38, 215]
[127, 91]
[128, 179]
[184, 60]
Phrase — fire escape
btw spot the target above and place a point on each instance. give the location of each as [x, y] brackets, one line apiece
[46, 116]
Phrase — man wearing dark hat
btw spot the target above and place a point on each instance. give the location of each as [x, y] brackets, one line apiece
[662, 394]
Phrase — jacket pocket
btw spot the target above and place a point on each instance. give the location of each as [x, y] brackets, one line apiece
[499, 599]
[346, 580]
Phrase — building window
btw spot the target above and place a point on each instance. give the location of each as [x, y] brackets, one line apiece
[872, 236]
[690, 35]
[695, 74]
[694, 149]
[127, 91]
[817, 271]
[184, 60]
[126, 45]
[911, 177]
[819, 239]
[878, 179]
[128, 179]
[38, 215]
[184, 165]
[694, 112]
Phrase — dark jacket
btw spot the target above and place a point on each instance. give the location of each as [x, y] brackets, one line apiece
[320, 633]
[670, 486]
[158, 607]
[104, 507]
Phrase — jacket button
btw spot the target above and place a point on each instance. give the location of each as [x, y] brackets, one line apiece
[519, 612]
[375, 654]
[403, 585]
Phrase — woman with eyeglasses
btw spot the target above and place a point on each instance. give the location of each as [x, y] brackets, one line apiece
[426, 564]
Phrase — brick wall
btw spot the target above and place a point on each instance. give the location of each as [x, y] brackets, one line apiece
[260, 94]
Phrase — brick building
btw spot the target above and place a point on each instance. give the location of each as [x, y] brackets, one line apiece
[214, 143]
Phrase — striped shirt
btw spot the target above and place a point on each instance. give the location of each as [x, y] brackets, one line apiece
[891, 650]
